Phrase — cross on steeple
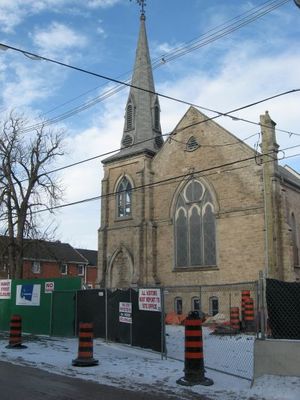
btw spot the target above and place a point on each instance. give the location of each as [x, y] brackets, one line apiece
[142, 4]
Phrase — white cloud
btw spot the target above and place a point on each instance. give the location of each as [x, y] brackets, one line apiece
[13, 12]
[101, 3]
[58, 37]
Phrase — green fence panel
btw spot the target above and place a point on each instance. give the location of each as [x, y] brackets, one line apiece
[32, 300]
[63, 313]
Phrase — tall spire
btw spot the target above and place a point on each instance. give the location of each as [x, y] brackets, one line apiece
[142, 130]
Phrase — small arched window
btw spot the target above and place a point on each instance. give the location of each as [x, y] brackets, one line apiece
[213, 305]
[124, 198]
[195, 304]
[178, 305]
[195, 230]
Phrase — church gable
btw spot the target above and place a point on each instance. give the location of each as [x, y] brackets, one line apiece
[196, 130]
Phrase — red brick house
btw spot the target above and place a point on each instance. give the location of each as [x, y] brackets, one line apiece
[43, 259]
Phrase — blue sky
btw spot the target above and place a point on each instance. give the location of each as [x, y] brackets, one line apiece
[256, 61]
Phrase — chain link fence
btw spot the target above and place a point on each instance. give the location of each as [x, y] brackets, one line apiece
[230, 328]
[283, 310]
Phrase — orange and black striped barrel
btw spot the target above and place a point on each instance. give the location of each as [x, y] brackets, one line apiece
[194, 361]
[194, 364]
[249, 315]
[235, 318]
[15, 332]
[245, 296]
[85, 346]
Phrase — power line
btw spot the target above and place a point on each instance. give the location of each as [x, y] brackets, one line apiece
[167, 57]
[168, 180]
[247, 18]
[219, 114]
[189, 126]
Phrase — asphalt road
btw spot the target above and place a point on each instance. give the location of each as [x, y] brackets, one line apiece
[27, 383]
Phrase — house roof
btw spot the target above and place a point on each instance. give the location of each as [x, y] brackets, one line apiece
[90, 255]
[42, 250]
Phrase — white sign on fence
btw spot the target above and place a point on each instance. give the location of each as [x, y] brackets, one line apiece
[125, 312]
[28, 295]
[5, 289]
[49, 287]
[149, 300]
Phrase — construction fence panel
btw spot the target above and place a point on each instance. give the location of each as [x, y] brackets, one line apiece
[91, 308]
[63, 317]
[283, 306]
[117, 317]
[230, 326]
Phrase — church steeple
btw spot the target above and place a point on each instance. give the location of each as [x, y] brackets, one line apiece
[142, 115]
[142, 130]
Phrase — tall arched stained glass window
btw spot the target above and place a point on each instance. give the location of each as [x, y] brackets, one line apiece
[195, 227]
[124, 199]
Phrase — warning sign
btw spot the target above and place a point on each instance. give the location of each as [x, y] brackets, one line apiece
[125, 312]
[5, 289]
[49, 287]
[149, 299]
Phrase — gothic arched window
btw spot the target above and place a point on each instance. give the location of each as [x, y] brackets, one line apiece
[195, 228]
[124, 200]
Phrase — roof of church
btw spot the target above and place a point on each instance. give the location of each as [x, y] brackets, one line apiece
[289, 176]
[142, 132]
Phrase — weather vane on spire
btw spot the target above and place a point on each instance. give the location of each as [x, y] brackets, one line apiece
[142, 4]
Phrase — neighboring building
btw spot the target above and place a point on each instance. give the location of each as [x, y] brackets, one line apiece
[44, 259]
[203, 208]
[91, 267]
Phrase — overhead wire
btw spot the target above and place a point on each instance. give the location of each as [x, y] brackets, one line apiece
[169, 56]
[114, 90]
[170, 179]
[175, 131]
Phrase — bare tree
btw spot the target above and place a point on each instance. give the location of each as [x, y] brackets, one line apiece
[25, 184]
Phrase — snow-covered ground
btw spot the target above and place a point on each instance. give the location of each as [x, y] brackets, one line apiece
[137, 369]
[231, 354]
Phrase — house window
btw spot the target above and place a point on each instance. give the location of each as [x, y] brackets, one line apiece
[64, 269]
[36, 267]
[195, 304]
[80, 269]
[178, 305]
[195, 230]
[213, 305]
[124, 198]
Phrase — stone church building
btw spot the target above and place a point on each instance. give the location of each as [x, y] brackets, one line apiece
[201, 208]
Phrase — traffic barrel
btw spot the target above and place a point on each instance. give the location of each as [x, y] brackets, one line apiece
[235, 318]
[15, 333]
[245, 296]
[85, 346]
[249, 315]
[194, 361]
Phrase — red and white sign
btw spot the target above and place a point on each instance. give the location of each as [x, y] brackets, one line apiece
[125, 312]
[149, 300]
[5, 289]
[49, 287]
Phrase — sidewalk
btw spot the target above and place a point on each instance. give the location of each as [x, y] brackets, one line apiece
[137, 369]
